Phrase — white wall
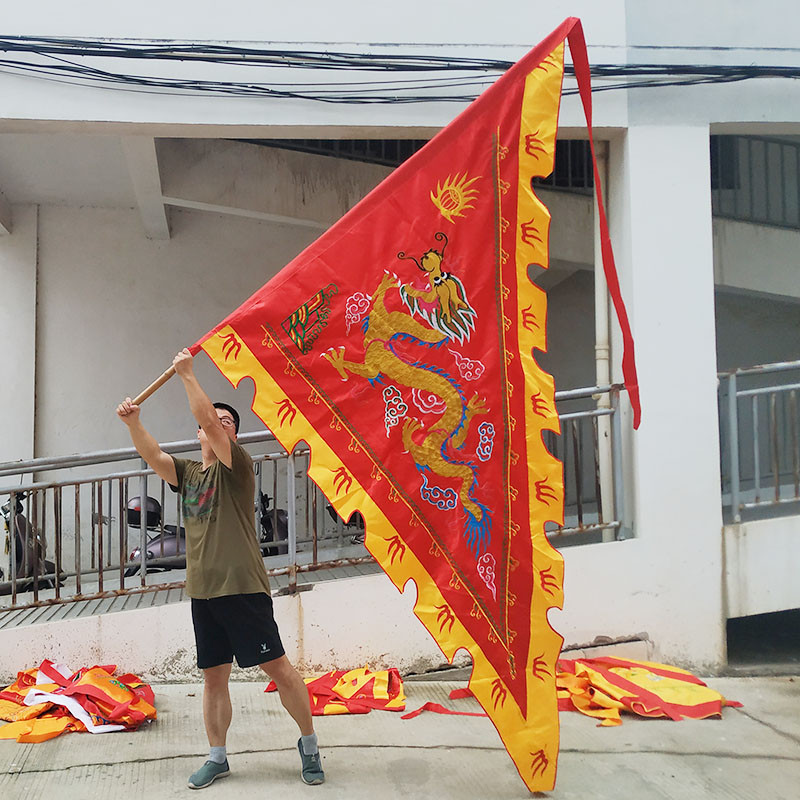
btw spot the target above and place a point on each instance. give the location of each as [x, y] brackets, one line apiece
[114, 307]
[761, 561]
[417, 21]
[755, 330]
[757, 258]
[672, 484]
[337, 625]
[18, 272]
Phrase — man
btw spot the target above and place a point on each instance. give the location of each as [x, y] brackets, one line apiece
[225, 574]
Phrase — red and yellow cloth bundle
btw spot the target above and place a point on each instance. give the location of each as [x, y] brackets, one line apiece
[602, 687]
[45, 702]
[354, 691]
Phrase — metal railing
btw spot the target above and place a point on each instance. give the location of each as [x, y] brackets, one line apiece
[756, 179]
[759, 439]
[572, 169]
[83, 523]
[593, 485]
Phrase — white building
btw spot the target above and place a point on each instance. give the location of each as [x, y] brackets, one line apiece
[133, 221]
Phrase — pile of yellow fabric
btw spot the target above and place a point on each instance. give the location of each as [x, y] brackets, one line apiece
[49, 700]
[603, 687]
[354, 691]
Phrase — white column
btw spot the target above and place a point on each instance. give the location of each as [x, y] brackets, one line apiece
[18, 335]
[662, 232]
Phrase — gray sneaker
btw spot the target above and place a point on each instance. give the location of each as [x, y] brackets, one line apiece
[311, 772]
[208, 773]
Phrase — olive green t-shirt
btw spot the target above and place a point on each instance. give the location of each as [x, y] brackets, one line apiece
[222, 552]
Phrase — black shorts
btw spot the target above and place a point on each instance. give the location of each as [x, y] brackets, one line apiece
[238, 625]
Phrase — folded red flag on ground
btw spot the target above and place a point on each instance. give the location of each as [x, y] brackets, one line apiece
[354, 691]
[47, 701]
[603, 687]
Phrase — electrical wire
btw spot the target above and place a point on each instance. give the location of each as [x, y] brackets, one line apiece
[67, 61]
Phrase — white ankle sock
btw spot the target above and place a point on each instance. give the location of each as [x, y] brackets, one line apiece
[309, 744]
[218, 755]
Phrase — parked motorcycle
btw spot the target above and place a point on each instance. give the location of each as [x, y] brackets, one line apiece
[167, 549]
[29, 550]
[274, 527]
[355, 523]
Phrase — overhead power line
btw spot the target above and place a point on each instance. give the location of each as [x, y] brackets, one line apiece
[75, 61]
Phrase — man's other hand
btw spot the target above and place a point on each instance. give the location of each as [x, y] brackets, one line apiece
[183, 363]
[127, 411]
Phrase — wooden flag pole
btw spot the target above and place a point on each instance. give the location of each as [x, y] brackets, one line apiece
[156, 384]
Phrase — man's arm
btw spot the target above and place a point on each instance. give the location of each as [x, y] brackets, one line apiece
[202, 408]
[160, 462]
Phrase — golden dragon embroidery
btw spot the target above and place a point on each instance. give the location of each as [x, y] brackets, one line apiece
[427, 444]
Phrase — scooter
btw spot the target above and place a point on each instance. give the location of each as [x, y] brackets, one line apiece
[31, 564]
[274, 524]
[167, 549]
[355, 523]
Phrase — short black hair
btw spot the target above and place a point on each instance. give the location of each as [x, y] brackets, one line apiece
[232, 411]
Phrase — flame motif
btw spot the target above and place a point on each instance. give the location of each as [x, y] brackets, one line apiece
[455, 196]
[445, 617]
[231, 346]
[342, 480]
[395, 548]
[529, 319]
[544, 492]
[539, 667]
[499, 692]
[286, 411]
[540, 762]
[548, 581]
[538, 405]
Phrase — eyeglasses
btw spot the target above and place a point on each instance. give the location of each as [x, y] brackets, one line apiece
[227, 422]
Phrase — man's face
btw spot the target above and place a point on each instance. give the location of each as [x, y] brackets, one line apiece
[228, 425]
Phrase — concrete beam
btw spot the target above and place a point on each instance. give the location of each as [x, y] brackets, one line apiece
[5, 216]
[244, 179]
[142, 160]
[216, 208]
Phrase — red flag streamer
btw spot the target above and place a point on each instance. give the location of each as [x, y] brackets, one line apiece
[401, 347]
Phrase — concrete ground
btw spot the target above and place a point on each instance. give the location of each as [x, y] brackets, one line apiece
[752, 752]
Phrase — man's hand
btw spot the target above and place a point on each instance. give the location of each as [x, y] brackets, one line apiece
[183, 363]
[128, 412]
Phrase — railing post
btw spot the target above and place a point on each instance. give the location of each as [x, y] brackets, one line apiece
[622, 531]
[57, 518]
[33, 544]
[733, 431]
[12, 532]
[291, 511]
[143, 525]
[97, 495]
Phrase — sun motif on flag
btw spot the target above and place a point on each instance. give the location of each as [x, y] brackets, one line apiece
[455, 196]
